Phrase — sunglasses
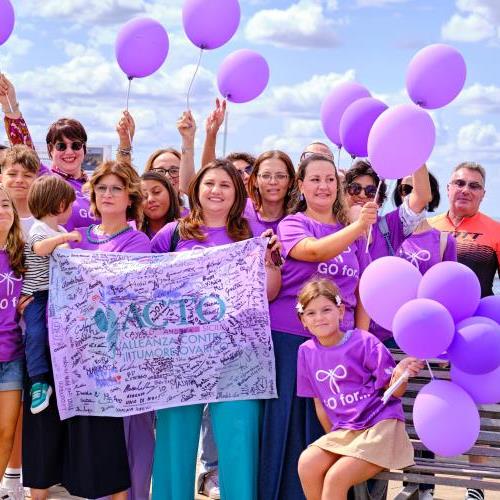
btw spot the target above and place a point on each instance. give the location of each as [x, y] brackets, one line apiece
[247, 170]
[473, 186]
[172, 172]
[62, 146]
[405, 189]
[354, 189]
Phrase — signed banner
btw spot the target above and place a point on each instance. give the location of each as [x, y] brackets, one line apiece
[131, 333]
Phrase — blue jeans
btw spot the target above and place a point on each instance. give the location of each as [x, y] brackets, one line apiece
[37, 336]
[11, 375]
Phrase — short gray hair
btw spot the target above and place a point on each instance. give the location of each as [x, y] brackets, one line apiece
[472, 165]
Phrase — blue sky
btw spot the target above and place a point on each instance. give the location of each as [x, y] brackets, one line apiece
[61, 59]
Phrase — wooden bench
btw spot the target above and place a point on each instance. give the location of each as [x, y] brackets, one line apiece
[455, 471]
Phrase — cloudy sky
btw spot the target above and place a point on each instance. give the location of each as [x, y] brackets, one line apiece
[61, 59]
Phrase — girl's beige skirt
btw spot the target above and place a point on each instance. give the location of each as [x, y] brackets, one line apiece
[386, 444]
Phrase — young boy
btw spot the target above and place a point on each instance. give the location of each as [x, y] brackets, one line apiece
[50, 201]
[19, 169]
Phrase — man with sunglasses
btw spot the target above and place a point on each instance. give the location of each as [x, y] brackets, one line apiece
[477, 237]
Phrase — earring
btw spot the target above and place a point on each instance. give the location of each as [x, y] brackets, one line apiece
[301, 197]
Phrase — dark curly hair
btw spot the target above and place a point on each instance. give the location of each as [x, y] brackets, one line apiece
[363, 167]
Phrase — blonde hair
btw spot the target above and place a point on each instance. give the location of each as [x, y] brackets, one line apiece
[318, 287]
[14, 245]
[131, 181]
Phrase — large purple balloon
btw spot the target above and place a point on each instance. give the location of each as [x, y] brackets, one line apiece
[454, 285]
[401, 141]
[210, 23]
[435, 76]
[489, 307]
[141, 47]
[7, 19]
[423, 328]
[334, 105]
[243, 76]
[385, 285]
[475, 320]
[356, 123]
[476, 348]
[446, 418]
[483, 389]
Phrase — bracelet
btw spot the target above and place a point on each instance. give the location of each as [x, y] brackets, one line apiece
[185, 150]
[124, 152]
[6, 108]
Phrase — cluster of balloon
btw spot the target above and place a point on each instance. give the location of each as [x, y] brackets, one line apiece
[440, 314]
[400, 139]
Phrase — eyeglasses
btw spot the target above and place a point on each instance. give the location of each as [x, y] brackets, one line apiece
[102, 189]
[170, 171]
[405, 189]
[62, 146]
[473, 185]
[354, 189]
[307, 154]
[246, 170]
[275, 177]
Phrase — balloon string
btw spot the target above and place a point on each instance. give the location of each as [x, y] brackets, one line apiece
[429, 368]
[371, 227]
[128, 98]
[338, 158]
[224, 143]
[192, 79]
[10, 105]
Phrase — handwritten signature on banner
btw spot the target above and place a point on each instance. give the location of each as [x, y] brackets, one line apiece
[131, 333]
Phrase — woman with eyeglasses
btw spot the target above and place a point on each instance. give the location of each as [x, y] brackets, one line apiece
[426, 246]
[217, 198]
[160, 205]
[317, 239]
[271, 188]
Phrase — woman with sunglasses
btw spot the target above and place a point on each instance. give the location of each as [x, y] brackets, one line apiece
[217, 198]
[160, 205]
[66, 144]
[426, 246]
[317, 239]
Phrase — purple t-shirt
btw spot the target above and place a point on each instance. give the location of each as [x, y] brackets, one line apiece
[256, 220]
[80, 215]
[423, 250]
[349, 379]
[378, 246]
[344, 270]
[11, 343]
[130, 241]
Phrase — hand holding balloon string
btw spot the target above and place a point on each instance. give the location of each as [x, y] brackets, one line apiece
[371, 227]
[408, 367]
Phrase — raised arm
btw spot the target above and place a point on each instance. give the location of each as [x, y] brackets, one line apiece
[328, 247]
[421, 194]
[212, 126]
[15, 126]
[46, 246]
[126, 131]
[187, 128]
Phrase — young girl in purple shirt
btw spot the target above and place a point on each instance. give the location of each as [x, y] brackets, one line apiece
[346, 374]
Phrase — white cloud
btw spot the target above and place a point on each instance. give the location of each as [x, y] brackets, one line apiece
[303, 24]
[378, 3]
[84, 11]
[478, 137]
[478, 100]
[476, 20]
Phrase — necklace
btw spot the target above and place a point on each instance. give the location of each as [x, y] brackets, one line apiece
[109, 237]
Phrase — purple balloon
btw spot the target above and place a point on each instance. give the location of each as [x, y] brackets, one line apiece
[476, 320]
[356, 123]
[476, 349]
[483, 389]
[435, 76]
[334, 105]
[489, 307]
[454, 285]
[7, 19]
[446, 418]
[243, 76]
[386, 285]
[423, 328]
[401, 141]
[141, 47]
[210, 23]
